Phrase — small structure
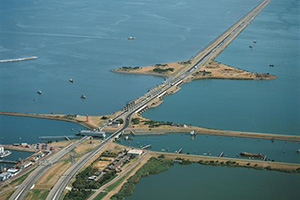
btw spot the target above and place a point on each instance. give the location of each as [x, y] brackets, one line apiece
[135, 152]
[92, 178]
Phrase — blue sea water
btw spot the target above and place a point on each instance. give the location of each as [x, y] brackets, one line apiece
[271, 106]
[206, 182]
[281, 151]
[85, 40]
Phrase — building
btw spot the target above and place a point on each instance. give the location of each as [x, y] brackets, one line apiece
[13, 171]
[4, 176]
[135, 152]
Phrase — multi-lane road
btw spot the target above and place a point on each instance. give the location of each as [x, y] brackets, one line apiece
[24, 188]
[210, 52]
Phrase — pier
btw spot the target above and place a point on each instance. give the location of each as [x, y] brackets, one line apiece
[19, 148]
[18, 59]
[8, 161]
[62, 137]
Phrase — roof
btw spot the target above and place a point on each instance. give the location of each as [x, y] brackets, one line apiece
[4, 174]
[135, 151]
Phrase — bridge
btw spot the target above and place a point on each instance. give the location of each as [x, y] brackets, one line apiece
[210, 52]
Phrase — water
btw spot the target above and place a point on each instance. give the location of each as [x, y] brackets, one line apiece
[23, 129]
[261, 106]
[206, 182]
[231, 146]
[15, 155]
[86, 40]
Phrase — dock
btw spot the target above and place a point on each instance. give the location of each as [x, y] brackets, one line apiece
[18, 59]
[61, 137]
[8, 161]
[19, 148]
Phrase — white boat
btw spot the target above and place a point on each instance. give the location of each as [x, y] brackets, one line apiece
[192, 132]
[4, 153]
[39, 92]
[83, 96]
[131, 38]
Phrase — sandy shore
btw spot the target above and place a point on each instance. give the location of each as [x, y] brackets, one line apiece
[211, 70]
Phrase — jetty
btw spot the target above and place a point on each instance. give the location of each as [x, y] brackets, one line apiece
[8, 161]
[18, 59]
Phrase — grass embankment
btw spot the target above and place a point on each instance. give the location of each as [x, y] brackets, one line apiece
[37, 194]
[248, 165]
[153, 166]
[229, 163]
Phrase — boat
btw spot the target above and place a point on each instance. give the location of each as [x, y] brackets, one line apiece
[39, 92]
[83, 96]
[71, 80]
[4, 153]
[192, 133]
[247, 154]
[254, 41]
[131, 38]
[250, 47]
[271, 65]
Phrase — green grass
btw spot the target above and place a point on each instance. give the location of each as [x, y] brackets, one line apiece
[100, 195]
[153, 166]
[37, 194]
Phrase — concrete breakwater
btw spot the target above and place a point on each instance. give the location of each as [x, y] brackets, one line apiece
[18, 59]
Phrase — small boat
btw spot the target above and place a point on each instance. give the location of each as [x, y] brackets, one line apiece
[4, 153]
[83, 96]
[271, 65]
[39, 92]
[71, 80]
[131, 38]
[254, 41]
[192, 133]
[250, 47]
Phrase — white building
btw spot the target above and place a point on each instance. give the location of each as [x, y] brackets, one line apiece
[135, 152]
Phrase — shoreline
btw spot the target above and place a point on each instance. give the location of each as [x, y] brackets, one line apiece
[141, 129]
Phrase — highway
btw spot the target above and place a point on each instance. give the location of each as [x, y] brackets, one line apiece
[29, 182]
[208, 53]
